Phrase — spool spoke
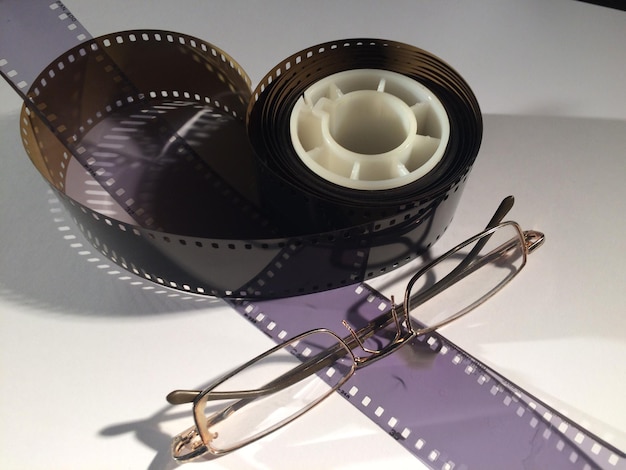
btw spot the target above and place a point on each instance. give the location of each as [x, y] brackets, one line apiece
[317, 154]
[356, 171]
[424, 147]
[334, 92]
[399, 169]
[421, 111]
[311, 119]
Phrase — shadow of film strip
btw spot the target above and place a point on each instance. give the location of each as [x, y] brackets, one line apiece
[76, 242]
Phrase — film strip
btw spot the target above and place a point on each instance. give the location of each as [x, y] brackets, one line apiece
[141, 159]
[441, 404]
[198, 183]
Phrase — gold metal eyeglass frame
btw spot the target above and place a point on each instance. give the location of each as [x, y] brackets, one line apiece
[193, 442]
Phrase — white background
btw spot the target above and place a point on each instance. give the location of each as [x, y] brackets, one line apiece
[86, 358]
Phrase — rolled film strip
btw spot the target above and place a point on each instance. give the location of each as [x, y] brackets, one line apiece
[441, 404]
[177, 171]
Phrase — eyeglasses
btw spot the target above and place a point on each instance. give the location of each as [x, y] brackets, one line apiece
[283, 383]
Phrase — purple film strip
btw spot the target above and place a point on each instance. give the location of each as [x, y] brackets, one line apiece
[444, 406]
[55, 27]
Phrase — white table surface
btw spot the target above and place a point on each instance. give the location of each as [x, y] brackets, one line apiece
[86, 357]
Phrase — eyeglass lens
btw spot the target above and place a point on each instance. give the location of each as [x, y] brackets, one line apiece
[467, 277]
[285, 391]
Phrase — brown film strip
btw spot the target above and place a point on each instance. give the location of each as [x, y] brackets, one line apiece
[191, 179]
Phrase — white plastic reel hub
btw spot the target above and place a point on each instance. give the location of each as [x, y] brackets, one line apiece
[369, 129]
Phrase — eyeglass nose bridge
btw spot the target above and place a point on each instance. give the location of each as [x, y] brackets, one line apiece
[402, 335]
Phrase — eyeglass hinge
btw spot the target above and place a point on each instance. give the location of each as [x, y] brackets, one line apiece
[533, 240]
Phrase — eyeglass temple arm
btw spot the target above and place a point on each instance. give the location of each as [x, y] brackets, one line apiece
[503, 209]
[532, 239]
[324, 358]
[179, 397]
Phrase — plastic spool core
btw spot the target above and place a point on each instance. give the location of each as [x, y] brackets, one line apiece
[369, 129]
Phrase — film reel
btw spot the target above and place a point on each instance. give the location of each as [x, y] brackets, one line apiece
[193, 181]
